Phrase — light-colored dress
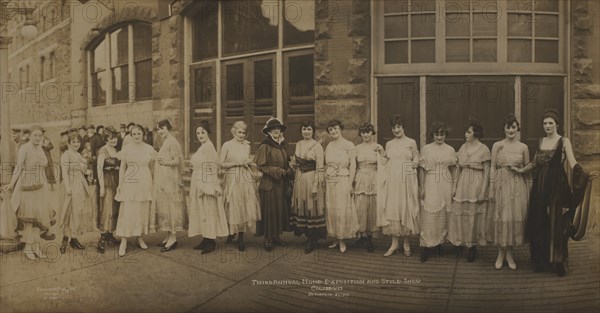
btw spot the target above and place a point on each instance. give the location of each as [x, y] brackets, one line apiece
[135, 191]
[308, 208]
[109, 207]
[30, 194]
[365, 188]
[168, 211]
[207, 212]
[507, 212]
[342, 220]
[78, 213]
[435, 161]
[398, 210]
[467, 220]
[241, 191]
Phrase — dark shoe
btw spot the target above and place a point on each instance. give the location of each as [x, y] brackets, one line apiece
[101, 246]
[268, 246]
[161, 244]
[280, 243]
[241, 244]
[169, 248]
[209, 246]
[47, 236]
[76, 245]
[230, 238]
[370, 247]
[359, 242]
[309, 247]
[201, 245]
[112, 240]
[423, 254]
[560, 269]
[63, 245]
[472, 254]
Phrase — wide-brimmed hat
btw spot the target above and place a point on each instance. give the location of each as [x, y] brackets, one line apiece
[272, 123]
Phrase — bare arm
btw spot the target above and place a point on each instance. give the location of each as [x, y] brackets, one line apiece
[569, 153]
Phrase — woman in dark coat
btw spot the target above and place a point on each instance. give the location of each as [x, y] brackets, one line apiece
[273, 161]
[552, 204]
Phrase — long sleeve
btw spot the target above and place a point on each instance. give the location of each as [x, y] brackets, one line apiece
[262, 162]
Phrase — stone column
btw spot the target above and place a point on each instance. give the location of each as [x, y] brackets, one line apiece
[342, 64]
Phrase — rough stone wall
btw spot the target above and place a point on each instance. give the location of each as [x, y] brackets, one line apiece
[342, 64]
[585, 81]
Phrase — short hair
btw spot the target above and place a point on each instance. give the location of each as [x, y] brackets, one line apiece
[16, 130]
[551, 113]
[397, 120]
[365, 128]
[110, 135]
[140, 127]
[511, 119]
[73, 136]
[238, 125]
[163, 123]
[131, 124]
[438, 127]
[33, 128]
[311, 124]
[204, 124]
[334, 123]
[99, 127]
[476, 126]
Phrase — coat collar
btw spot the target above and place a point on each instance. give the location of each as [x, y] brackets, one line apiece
[270, 141]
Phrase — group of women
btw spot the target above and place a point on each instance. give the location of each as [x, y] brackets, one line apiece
[468, 198]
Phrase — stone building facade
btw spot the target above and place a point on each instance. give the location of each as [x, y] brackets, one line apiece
[366, 61]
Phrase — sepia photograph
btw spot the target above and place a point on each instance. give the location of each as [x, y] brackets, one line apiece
[299, 156]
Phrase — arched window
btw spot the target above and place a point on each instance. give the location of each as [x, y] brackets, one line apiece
[120, 68]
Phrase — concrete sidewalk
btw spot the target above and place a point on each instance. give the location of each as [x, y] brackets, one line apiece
[286, 279]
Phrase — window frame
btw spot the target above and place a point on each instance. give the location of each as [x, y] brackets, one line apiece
[109, 69]
[501, 66]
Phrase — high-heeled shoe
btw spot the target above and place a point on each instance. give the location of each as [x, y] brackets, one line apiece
[209, 246]
[200, 246]
[268, 246]
[230, 238]
[101, 245]
[75, 244]
[342, 247]
[406, 247]
[370, 247]
[123, 247]
[63, 245]
[29, 254]
[472, 254]
[110, 238]
[169, 248]
[38, 251]
[500, 259]
[309, 247]
[162, 244]
[423, 254]
[141, 243]
[560, 269]
[510, 260]
[391, 251]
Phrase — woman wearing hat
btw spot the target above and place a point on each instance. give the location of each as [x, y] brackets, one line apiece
[207, 213]
[108, 179]
[272, 160]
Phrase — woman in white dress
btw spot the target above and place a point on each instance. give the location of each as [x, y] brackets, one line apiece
[399, 205]
[365, 186]
[240, 193]
[168, 206]
[436, 176]
[79, 205]
[509, 194]
[30, 196]
[135, 189]
[467, 219]
[340, 168]
[207, 213]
